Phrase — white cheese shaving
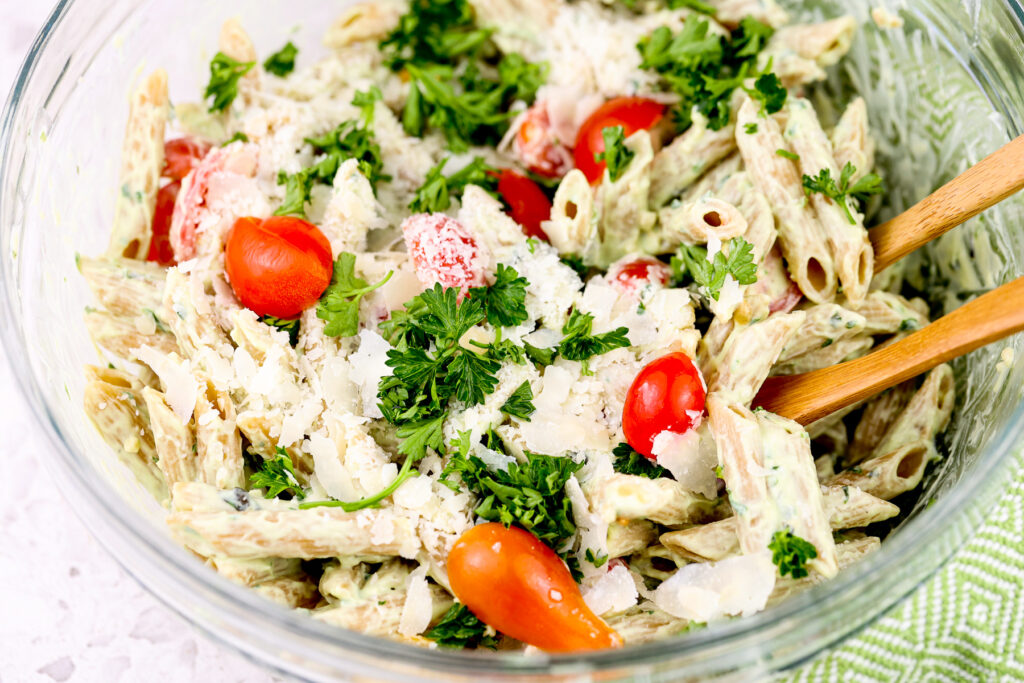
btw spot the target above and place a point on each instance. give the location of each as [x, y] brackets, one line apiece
[592, 529]
[414, 493]
[706, 591]
[180, 386]
[614, 591]
[295, 425]
[690, 457]
[418, 608]
[330, 471]
[368, 366]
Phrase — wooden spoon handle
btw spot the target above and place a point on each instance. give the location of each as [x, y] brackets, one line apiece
[813, 395]
[983, 185]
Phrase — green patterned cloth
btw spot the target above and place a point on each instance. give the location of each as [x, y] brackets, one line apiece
[965, 624]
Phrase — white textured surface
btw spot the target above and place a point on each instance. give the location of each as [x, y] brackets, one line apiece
[67, 610]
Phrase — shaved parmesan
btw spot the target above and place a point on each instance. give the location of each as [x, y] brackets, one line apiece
[690, 457]
[368, 366]
[180, 386]
[418, 608]
[614, 591]
[707, 591]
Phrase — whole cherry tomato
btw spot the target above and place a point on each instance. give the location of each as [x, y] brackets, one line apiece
[279, 266]
[631, 275]
[538, 147]
[632, 113]
[160, 249]
[667, 395]
[528, 205]
[443, 251]
[518, 585]
[181, 155]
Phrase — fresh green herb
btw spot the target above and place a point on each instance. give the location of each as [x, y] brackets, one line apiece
[348, 141]
[367, 102]
[693, 626]
[282, 62]
[225, 73]
[576, 263]
[298, 187]
[596, 560]
[277, 476]
[237, 137]
[843, 191]
[704, 69]
[542, 357]
[531, 495]
[718, 471]
[908, 324]
[289, 326]
[628, 461]
[786, 154]
[436, 192]
[405, 473]
[750, 128]
[520, 403]
[505, 300]
[581, 344]
[339, 305]
[433, 32]
[735, 259]
[615, 155]
[791, 553]
[459, 628]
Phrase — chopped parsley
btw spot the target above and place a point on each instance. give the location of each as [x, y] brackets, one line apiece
[367, 102]
[437, 190]
[277, 476]
[791, 553]
[786, 154]
[459, 628]
[350, 140]
[629, 461]
[225, 73]
[581, 344]
[530, 495]
[282, 62]
[596, 560]
[710, 275]
[505, 300]
[289, 326]
[704, 69]
[520, 403]
[576, 263]
[750, 128]
[339, 305]
[616, 155]
[843, 191]
[237, 137]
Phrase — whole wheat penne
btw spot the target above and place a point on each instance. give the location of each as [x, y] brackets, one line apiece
[876, 420]
[848, 553]
[629, 497]
[926, 414]
[680, 163]
[852, 142]
[748, 354]
[887, 476]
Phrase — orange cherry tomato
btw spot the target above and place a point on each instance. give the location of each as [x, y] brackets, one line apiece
[518, 585]
[632, 113]
[666, 396]
[279, 266]
[181, 155]
[632, 275]
[528, 205]
[160, 249]
[538, 147]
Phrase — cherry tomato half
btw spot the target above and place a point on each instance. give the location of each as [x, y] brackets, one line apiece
[181, 155]
[667, 395]
[630, 276]
[528, 205]
[537, 146]
[279, 266]
[160, 249]
[518, 585]
[632, 113]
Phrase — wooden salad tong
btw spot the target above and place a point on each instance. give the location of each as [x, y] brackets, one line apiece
[813, 395]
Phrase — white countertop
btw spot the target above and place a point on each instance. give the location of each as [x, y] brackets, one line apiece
[68, 612]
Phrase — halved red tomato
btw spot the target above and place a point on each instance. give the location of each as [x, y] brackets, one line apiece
[632, 113]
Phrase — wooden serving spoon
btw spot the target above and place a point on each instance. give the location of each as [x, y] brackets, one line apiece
[992, 316]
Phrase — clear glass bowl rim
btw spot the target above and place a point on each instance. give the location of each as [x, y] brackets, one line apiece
[258, 619]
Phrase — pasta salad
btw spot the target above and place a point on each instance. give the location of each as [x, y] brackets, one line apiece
[453, 335]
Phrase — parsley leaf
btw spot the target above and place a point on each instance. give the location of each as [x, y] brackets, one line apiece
[298, 187]
[237, 137]
[505, 300]
[282, 62]
[445, 318]
[596, 560]
[437, 190]
[348, 141]
[842, 191]
[628, 461]
[791, 553]
[460, 628]
[531, 495]
[768, 90]
[542, 357]
[615, 155]
[581, 344]
[786, 154]
[433, 31]
[473, 376]
[750, 128]
[277, 476]
[520, 403]
[225, 73]
[289, 326]
[339, 305]
[367, 102]
[710, 275]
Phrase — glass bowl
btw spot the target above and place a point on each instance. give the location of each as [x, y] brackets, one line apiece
[944, 90]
